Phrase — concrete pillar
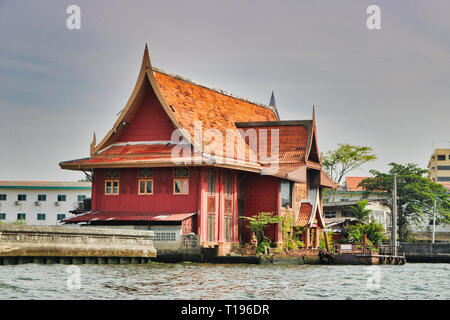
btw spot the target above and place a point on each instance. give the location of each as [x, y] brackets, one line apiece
[91, 260]
[78, 260]
[102, 260]
[65, 260]
[9, 260]
[113, 260]
[51, 260]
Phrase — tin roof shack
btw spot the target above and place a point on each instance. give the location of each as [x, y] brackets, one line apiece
[183, 149]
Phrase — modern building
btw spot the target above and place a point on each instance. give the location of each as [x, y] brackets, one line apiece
[338, 203]
[439, 167]
[166, 165]
[40, 202]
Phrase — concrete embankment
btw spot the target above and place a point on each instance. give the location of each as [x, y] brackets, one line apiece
[22, 244]
[426, 252]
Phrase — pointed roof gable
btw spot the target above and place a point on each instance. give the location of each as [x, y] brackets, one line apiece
[312, 154]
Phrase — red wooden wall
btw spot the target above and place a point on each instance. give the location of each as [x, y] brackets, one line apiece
[161, 201]
[261, 194]
[150, 123]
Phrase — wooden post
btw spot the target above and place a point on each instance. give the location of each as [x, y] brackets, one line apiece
[325, 236]
[316, 237]
[308, 237]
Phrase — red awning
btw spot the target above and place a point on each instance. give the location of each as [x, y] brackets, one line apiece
[122, 216]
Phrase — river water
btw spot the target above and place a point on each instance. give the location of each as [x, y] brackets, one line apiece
[220, 281]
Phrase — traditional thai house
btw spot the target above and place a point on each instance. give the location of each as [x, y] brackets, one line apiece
[186, 157]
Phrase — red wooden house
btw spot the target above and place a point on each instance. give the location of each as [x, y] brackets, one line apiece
[144, 177]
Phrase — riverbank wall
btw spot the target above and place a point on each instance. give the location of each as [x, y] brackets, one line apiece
[22, 244]
[426, 252]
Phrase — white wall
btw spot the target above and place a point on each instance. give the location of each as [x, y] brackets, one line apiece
[48, 207]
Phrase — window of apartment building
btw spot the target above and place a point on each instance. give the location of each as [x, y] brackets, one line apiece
[286, 194]
[112, 173]
[330, 215]
[41, 216]
[61, 197]
[42, 197]
[60, 216]
[441, 157]
[146, 186]
[347, 214]
[81, 197]
[2, 197]
[181, 186]
[443, 178]
[443, 167]
[2, 216]
[22, 197]
[112, 187]
[145, 172]
[21, 216]
[343, 200]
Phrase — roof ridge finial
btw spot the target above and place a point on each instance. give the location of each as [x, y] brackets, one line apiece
[273, 104]
[146, 64]
[314, 116]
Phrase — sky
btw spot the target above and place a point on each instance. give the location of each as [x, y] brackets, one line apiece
[388, 89]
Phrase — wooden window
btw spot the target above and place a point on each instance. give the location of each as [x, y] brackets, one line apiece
[228, 184]
[112, 187]
[146, 186]
[42, 197]
[61, 197]
[211, 203]
[286, 194]
[180, 186]
[112, 173]
[228, 228]
[145, 172]
[212, 182]
[211, 228]
[228, 205]
[181, 172]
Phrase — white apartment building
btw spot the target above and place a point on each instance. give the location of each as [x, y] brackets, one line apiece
[40, 202]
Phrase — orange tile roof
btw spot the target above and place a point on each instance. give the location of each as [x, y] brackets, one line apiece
[351, 183]
[304, 214]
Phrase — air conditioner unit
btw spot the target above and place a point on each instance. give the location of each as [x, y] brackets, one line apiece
[38, 203]
[17, 202]
[57, 203]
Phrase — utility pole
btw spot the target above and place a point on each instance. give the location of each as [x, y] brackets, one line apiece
[434, 221]
[394, 217]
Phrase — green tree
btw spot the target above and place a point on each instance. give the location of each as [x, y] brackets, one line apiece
[416, 195]
[337, 163]
[259, 223]
[373, 230]
[360, 211]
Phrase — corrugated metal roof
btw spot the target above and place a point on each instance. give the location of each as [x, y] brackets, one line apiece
[128, 216]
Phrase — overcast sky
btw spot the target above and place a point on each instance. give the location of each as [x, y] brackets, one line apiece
[388, 89]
